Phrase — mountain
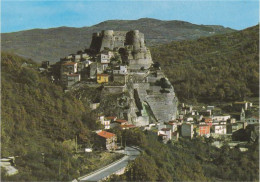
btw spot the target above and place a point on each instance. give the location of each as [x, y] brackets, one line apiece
[54, 43]
[221, 67]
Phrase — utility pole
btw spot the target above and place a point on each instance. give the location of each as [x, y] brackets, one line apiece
[59, 168]
[121, 142]
[76, 144]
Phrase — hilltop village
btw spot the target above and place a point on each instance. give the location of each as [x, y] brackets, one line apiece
[120, 64]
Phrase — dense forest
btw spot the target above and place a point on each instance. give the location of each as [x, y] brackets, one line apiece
[222, 67]
[38, 117]
[189, 160]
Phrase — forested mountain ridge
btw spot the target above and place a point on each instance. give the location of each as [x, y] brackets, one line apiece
[54, 43]
[221, 67]
[38, 117]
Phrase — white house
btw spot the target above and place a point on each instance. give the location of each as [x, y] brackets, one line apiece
[165, 133]
[252, 120]
[120, 70]
[220, 118]
[219, 129]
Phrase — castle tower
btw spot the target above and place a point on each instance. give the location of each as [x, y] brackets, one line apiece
[108, 39]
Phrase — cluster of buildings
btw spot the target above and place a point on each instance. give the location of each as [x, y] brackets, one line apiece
[206, 122]
[108, 140]
[108, 60]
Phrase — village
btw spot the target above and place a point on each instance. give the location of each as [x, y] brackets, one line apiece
[120, 61]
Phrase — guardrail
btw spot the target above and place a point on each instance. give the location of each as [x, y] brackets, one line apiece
[89, 174]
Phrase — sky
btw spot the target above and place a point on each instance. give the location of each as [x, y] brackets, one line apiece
[17, 15]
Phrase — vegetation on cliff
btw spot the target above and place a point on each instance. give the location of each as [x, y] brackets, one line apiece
[222, 67]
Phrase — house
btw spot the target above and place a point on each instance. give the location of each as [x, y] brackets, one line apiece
[85, 56]
[223, 117]
[111, 118]
[107, 140]
[175, 135]
[94, 106]
[69, 67]
[165, 134]
[69, 79]
[72, 79]
[219, 129]
[231, 128]
[122, 70]
[252, 120]
[77, 57]
[203, 130]
[105, 56]
[127, 126]
[121, 121]
[102, 78]
[205, 112]
[207, 119]
[105, 122]
[187, 130]
[173, 126]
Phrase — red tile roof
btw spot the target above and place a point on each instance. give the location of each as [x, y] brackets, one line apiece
[106, 134]
[121, 121]
[162, 135]
[111, 117]
[127, 126]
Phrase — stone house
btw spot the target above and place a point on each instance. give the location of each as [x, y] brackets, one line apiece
[107, 140]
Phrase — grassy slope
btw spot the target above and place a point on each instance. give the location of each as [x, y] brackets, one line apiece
[52, 44]
[221, 67]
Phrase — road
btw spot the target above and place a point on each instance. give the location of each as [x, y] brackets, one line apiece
[131, 154]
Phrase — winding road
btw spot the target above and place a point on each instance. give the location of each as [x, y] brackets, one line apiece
[131, 154]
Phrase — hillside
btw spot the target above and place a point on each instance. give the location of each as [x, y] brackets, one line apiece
[37, 117]
[54, 43]
[222, 67]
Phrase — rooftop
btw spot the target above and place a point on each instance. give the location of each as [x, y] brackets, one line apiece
[121, 121]
[165, 129]
[106, 134]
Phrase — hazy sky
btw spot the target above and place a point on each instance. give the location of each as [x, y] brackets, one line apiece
[22, 15]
